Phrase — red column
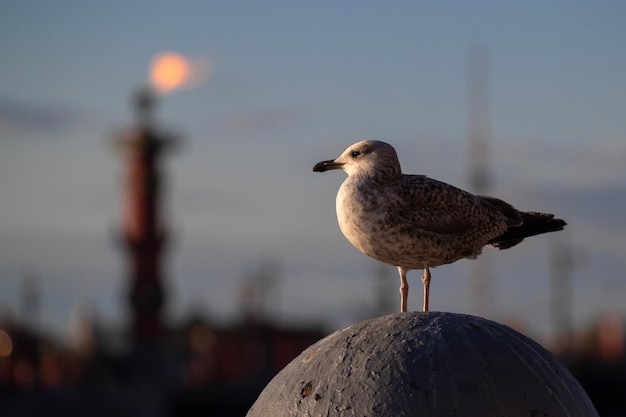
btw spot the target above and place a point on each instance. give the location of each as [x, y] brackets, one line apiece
[144, 235]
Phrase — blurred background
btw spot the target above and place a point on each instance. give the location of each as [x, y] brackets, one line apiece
[165, 248]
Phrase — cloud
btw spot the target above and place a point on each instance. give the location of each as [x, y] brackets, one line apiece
[587, 165]
[18, 116]
[261, 121]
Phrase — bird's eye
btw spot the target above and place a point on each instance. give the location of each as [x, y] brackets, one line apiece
[355, 154]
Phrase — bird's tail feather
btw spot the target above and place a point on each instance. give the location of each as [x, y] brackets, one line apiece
[533, 223]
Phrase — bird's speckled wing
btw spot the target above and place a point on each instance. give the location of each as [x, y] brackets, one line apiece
[441, 208]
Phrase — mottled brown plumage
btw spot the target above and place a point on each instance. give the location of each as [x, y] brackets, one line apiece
[415, 222]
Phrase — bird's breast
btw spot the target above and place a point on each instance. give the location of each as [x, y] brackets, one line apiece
[360, 218]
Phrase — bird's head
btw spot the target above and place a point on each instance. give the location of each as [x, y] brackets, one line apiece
[369, 158]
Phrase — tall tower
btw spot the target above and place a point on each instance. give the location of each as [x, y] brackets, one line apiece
[30, 301]
[478, 138]
[143, 232]
[562, 262]
[478, 123]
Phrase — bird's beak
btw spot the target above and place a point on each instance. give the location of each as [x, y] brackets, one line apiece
[327, 166]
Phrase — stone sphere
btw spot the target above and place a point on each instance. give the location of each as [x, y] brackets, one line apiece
[424, 364]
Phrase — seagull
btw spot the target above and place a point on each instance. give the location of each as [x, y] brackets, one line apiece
[416, 222]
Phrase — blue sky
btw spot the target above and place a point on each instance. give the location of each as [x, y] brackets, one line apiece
[294, 83]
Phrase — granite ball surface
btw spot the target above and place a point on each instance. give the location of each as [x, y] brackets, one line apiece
[424, 364]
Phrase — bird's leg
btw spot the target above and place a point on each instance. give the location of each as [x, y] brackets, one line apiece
[426, 281]
[404, 289]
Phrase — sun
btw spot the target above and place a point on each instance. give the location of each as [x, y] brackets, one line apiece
[169, 71]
